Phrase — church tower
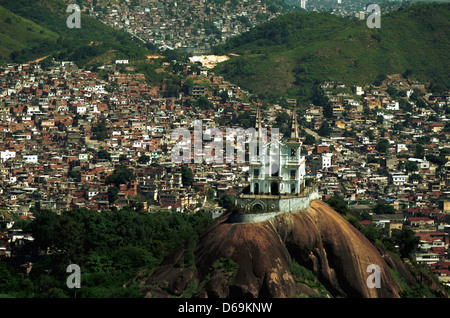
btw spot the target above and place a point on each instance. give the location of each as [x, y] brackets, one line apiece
[259, 168]
[292, 163]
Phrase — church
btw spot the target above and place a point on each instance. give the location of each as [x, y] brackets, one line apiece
[284, 172]
[277, 185]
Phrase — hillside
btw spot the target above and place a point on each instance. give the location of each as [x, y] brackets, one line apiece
[33, 29]
[312, 253]
[17, 33]
[289, 54]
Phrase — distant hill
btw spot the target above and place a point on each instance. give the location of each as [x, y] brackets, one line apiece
[37, 28]
[17, 33]
[289, 54]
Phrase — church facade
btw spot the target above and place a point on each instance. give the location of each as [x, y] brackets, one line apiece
[277, 184]
[284, 170]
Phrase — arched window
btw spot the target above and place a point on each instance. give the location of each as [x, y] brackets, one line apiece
[293, 152]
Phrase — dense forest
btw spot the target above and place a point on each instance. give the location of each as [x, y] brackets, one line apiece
[110, 247]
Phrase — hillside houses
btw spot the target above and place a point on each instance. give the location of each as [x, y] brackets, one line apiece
[190, 25]
[65, 131]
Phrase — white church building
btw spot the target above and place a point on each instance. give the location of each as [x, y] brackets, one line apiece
[277, 184]
[284, 171]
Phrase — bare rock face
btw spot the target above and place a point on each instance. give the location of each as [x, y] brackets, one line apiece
[253, 260]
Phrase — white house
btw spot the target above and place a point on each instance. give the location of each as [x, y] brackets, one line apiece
[326, 160]
[399, 178]
[5, 155]
[30, 158]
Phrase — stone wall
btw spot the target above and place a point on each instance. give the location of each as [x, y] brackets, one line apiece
[272, 206]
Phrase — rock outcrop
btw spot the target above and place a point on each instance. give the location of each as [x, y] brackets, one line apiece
[253, 260]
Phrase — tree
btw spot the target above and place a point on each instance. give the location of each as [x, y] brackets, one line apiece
[210, 194]
[439, 160]
[338, 204]
[100, 131]
[112, 194]
[420, 151]
[411, 166]
[380, 120]
[121, 175]
[383, 208]
[372, 233]
[325, 130]
[379, 79]
[43, 228]
[283, 123]
[310, 140]
[144, 159]
[187, 177]
[415, 177]
[382, 146]
[226, 201]
[406, 240]
[328, 110]
[204, 103]
[103, 154]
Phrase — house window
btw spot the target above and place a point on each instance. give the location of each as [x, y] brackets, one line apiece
[256, 173]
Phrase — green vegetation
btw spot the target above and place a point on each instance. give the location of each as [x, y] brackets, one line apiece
[338, 204]
[17, 34]
[405, 239]
[100, 130]
[227, 266]
[415, 291]
[110, 248]
[383, 208]
[227, 201]
[121, 175]
[35, 29]
[289, 55]
[301, 274]
[187, 177]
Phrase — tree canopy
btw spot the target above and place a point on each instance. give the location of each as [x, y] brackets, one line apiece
[110, 247]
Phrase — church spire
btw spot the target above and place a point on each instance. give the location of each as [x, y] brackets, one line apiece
[294, 126]
[258, 124]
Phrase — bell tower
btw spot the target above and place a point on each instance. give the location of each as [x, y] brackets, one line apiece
[293, 164]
